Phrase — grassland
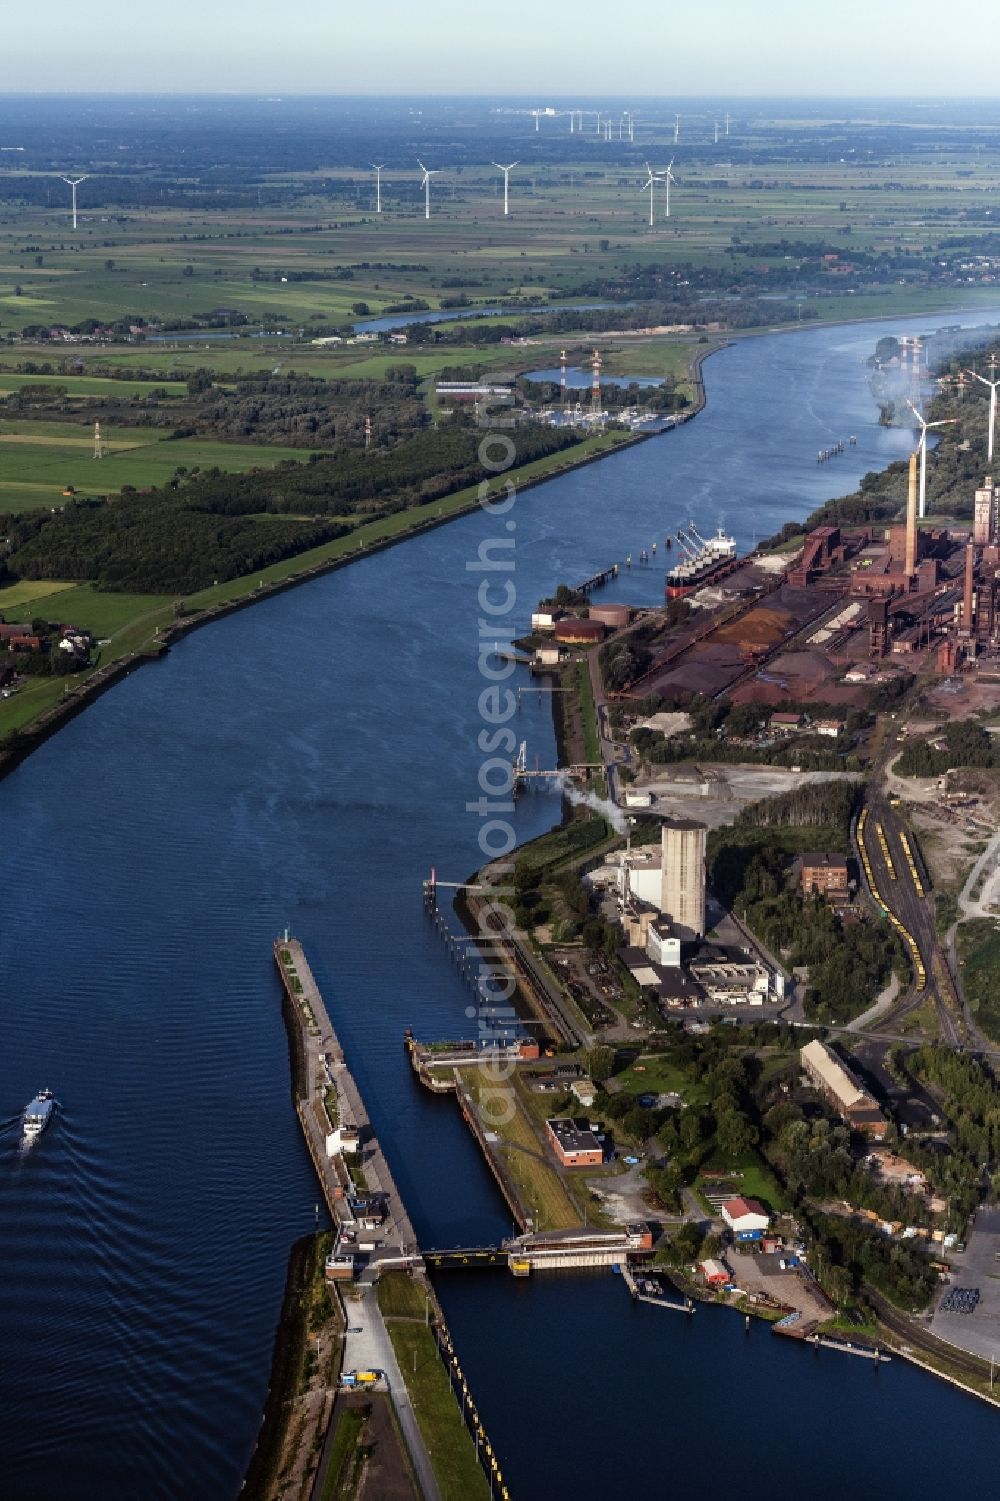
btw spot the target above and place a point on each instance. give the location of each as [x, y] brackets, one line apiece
[531, 1168]
[652, 1074]
[36, 467]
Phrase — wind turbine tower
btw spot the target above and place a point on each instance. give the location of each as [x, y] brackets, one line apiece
[506, 184]
[992, 383]
[654, 178]
[425, 183]
[677, 129]
[74, 183]
[717, 132]
[727, 122]
[925, 428]
[378, 168]
[668, 178]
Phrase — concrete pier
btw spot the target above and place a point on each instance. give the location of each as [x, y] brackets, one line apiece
[335, 1123]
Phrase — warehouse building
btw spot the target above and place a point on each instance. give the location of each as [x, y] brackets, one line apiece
[574, 1144]
[841, 1090]
[746, 1218]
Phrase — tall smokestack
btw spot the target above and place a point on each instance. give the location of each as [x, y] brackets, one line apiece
[970, 574]
[562, 376]
[910, 565]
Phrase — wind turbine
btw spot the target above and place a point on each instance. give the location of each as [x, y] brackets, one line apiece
[506, 182]
[654, 178]
[992, 383]
[74, 183]
[925, 428]
[677, 129]
[378, 168]
[668, 178]
[717, 132]
[426, 185]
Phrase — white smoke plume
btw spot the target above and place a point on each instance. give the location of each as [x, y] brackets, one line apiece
[602, 805]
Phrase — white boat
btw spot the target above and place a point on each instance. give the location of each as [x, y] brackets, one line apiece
[37, 1115]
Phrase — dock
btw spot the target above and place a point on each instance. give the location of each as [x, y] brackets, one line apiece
[640, 1290]
[361, 1195]
[596, 580]
[867, 1352]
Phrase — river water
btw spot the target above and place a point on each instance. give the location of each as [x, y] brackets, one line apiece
[305, 762]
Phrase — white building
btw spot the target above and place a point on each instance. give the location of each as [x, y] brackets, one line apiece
[640, 874]
[343, 1139]
[663, 944]
[744, 1216]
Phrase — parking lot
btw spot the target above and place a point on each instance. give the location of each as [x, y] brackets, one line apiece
[960, 1317]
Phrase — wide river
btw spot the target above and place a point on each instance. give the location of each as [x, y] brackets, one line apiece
[304, 762]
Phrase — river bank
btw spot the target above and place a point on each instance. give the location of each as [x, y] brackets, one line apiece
[306, 764]
[239, 594]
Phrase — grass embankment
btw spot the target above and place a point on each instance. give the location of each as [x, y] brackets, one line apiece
[979, 956]
[291, 1432]
[449, 1443]
[345, 1454]
[522, 1152]
[588, 714]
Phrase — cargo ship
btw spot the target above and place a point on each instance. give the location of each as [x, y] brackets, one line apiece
[37, 1116]
[699, 561]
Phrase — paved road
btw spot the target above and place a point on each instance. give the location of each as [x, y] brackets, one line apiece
[371, 1350]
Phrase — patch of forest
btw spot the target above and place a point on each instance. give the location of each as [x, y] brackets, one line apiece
[212, 526]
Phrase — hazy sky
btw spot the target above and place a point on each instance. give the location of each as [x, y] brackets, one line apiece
[740, 47]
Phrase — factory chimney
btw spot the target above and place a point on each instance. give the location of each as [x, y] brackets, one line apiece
[595, 385]
[562, 377]
[910, 565]
[970, 573]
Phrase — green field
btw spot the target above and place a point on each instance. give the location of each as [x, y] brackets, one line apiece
[85, 385]
[84, 606]
[657, 1075]
[569, 224]
[16, 600]
[36, 467]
